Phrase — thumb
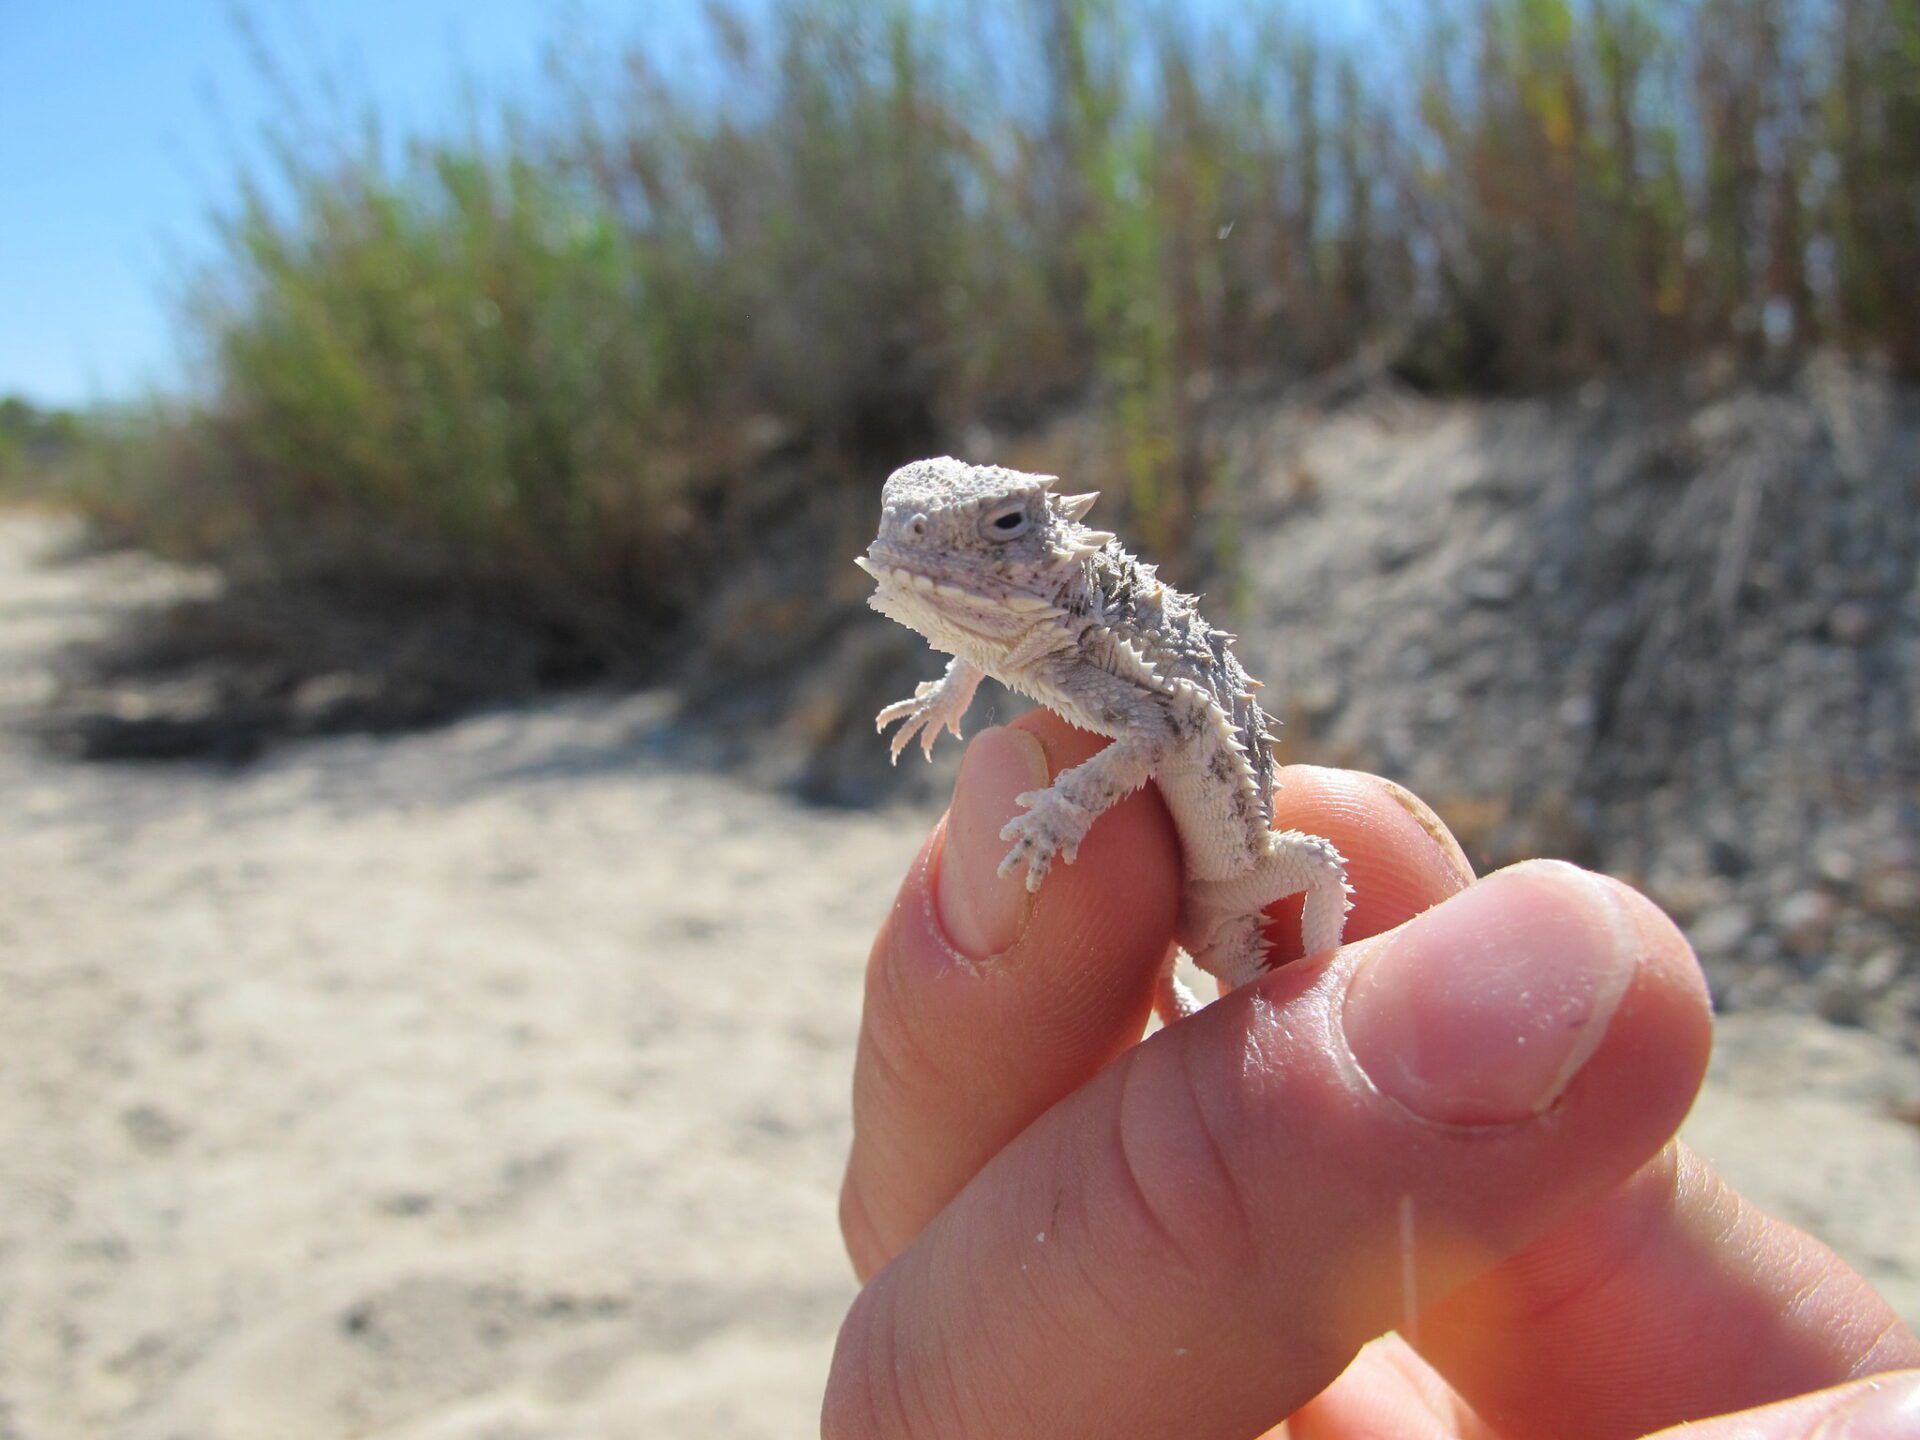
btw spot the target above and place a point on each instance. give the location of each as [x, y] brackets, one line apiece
[1886, 1407]
[1198, 1240]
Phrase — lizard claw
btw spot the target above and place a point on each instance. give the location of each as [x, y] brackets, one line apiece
[1052, 826]
[898, 710]
[929, 711]
[1029, 852]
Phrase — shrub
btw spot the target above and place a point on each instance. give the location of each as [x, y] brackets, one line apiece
[560, 355]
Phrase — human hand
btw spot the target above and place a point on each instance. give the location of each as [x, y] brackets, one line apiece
[1462, 1131]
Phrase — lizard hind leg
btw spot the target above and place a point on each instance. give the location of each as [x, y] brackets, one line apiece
[1172, 1000]
[1225, 923]
[1236, 952]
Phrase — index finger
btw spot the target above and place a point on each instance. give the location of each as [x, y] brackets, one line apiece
[968, 1036]
[985, 1004]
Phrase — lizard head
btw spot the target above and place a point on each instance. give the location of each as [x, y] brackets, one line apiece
[977, 552]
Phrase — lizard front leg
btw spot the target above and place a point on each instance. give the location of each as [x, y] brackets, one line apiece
[1057, 818]
[935, 703]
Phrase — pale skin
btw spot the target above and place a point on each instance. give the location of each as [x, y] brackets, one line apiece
[1064, 1231]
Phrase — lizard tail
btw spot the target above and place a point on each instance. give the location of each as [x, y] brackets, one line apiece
[1171, 997]
[1324, 918]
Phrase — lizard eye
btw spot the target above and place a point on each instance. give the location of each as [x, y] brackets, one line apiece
[1007, 524]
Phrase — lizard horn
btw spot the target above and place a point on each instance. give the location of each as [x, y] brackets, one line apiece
[1075, 507]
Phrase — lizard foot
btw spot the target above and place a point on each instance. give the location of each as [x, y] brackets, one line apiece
[1236, 952]
[1172, 1000]
[1223, 921]
[934, 707]
[1053, 825]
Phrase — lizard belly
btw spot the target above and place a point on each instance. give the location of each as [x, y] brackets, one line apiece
[1068, 706]
[1222, 827]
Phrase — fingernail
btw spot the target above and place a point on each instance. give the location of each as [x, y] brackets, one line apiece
[981, 912]
[1436, 828]
[1482, 1010]
[1889, 1410]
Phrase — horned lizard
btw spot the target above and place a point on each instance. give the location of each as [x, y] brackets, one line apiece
[996, 569]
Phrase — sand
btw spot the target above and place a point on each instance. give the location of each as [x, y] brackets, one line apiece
[491, 1082]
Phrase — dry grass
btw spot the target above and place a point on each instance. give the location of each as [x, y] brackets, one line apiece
[561, 359]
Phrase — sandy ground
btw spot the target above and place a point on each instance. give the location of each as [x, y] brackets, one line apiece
[491, 1082]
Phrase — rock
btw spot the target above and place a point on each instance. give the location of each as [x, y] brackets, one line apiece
[1577, 712]
[1720, 929]
[1729, 857]
[1491, 587]
[1318, 698]
[1851, 622]
[1393, 550]
[1894, 892]
[1879, 970]
[1839, 1000]
[1836, 864]
[1805, 920]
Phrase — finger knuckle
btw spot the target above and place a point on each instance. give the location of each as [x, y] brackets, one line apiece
[1178, 1178]
[898, 1040]
[873, 1391]
[866, 1247]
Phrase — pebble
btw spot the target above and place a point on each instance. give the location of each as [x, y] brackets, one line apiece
[1894, 892]
[1721, 929]
[1836, 865]
[1852, 622]
[1491, 587]
[1805, 920]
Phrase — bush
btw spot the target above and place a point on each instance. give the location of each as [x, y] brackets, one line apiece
[558, 355]
[34, 444]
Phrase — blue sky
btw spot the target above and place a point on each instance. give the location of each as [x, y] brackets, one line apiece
[120, 121]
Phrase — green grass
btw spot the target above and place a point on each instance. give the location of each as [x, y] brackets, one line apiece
[565, 355]
[38, 447]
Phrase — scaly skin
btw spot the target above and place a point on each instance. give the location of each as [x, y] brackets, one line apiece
[998, 571]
